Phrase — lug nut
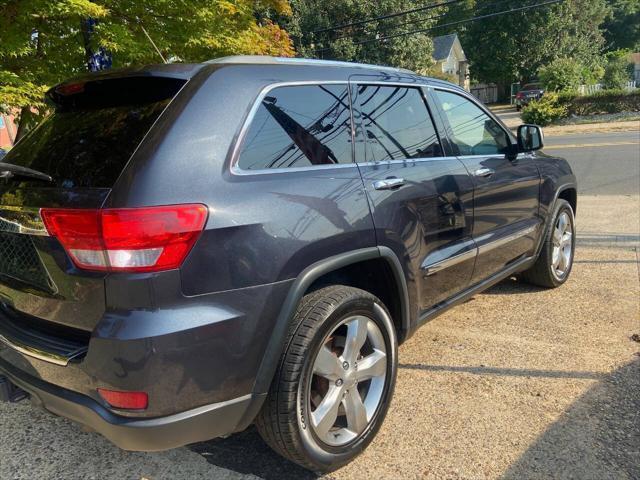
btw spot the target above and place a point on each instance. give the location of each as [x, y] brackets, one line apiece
[339, 382]
[345, 365]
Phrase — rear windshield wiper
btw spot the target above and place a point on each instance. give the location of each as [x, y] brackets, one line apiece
[8, 170]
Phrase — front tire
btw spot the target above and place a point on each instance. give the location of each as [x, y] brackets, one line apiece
[553, 266]
[335, 380]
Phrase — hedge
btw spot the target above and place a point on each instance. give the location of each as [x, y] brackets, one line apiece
[604, 101]
[553, 107]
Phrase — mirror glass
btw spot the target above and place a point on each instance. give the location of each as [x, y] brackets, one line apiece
[530, 137]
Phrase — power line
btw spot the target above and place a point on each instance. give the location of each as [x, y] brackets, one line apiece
[418, 20]
[468, 20]
[459, 22]
[384, 17]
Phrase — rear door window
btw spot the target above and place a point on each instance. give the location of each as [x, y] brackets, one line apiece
[299, 126]
[94, 129]
[396, 123]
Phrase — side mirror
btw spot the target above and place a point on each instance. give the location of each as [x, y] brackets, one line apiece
[530, 138]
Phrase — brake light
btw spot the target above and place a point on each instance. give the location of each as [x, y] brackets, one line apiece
[148, 239]
[126, 400]
[519, 95]
[70, 88]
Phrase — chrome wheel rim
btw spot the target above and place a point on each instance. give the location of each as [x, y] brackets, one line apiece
[562, 245]
[347, 381]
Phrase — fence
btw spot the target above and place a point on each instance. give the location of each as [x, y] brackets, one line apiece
[589, 89]
[485, 93]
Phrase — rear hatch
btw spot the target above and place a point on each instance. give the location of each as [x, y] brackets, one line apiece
[48, 307]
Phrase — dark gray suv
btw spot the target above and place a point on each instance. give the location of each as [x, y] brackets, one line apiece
[186, 250]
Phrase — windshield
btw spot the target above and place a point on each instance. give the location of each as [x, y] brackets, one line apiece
[87, 142]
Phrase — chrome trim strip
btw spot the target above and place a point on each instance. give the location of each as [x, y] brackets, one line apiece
[450, 262]
[235, 170]
[487, 247]
[39, 354]
[24, 220]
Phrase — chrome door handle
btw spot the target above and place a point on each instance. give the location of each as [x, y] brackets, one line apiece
[388, 183]
[484, 172]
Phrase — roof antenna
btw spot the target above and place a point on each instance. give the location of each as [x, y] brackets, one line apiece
[152, 43]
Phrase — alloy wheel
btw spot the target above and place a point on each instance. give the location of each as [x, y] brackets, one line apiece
[562, 245]
[347, 382]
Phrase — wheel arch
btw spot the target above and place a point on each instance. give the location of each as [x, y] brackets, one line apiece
[568, 192]
[314, 274]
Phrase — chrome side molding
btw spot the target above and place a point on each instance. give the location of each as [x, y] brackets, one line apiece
[449, 262]
[499, 242]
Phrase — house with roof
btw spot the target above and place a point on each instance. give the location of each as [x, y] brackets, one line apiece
[451, 59]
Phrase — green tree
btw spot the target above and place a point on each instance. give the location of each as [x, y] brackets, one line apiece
[622, 26]
[616, 73]
[410, 51]
[45, 41]
[561, 75]
[512, 47]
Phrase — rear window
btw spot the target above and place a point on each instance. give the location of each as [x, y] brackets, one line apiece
[94, 129]
[531, 86]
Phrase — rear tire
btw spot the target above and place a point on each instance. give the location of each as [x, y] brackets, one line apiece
[553, 266]
[335, 380]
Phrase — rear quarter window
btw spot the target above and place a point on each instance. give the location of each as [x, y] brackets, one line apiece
[299, 126]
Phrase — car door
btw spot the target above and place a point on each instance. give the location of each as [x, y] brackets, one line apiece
[506, 190]
[421, 200]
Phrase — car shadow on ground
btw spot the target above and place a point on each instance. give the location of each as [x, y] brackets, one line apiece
[512, 285]
[597, 437]
[246, 453]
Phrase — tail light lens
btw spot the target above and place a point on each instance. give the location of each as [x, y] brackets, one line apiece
[146, 239]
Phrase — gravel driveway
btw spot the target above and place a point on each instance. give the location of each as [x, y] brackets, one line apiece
[518, 382]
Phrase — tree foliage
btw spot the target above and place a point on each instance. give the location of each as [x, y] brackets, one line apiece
[410, 51]
[616, 73]
[512, 47]
[622, 26]
[42, 41]
[561, 75]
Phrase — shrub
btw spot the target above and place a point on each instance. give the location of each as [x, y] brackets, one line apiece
[561, 75]
[604, 101]
[544, 111]
[616, 73]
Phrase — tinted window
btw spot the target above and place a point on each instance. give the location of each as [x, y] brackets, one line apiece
[396, 124]
[299, 126]
[91, 135]
[474, 132]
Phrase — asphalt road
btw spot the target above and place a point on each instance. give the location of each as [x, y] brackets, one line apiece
[519, 382]
[606, 163]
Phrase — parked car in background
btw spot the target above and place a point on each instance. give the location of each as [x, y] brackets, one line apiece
[531, 91]
[249, 241]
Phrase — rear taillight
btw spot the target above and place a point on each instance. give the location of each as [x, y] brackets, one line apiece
[519, 95]
[146, 239]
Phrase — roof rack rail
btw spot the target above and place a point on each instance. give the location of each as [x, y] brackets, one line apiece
[268, 60]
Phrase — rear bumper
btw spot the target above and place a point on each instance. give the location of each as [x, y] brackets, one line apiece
[148, 434]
